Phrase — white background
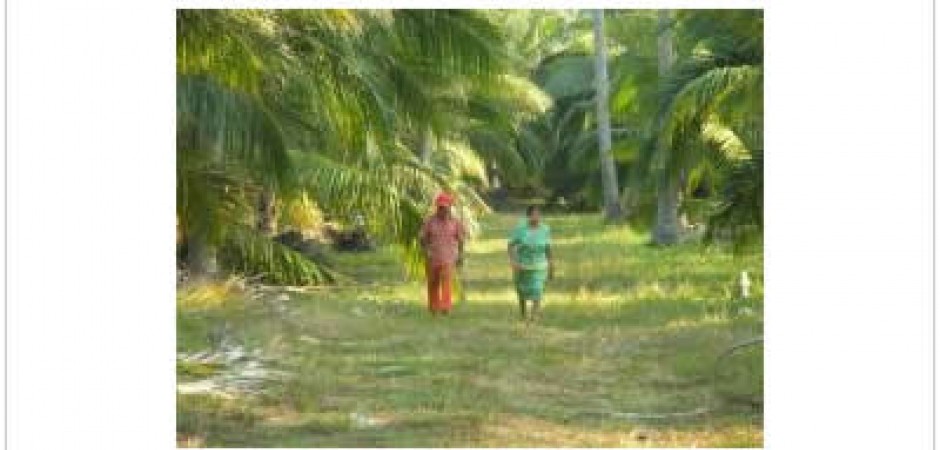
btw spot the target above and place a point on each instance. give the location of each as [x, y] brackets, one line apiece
[91, 194]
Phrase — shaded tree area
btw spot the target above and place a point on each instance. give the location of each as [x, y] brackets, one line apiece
[302, 120]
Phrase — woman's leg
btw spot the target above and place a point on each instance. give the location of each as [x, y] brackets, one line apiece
[538, 288]
[517, 279]
[445, 277]
[536, 308]
[434, 287]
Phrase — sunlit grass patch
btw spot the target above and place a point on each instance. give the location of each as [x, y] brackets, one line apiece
[628, 332]
[210, 294]
[197, 413]
[194, 369]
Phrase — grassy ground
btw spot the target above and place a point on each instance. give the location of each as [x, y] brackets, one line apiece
[622, 357]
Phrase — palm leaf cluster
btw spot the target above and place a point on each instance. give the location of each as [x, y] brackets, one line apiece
[710, 119]
[334, 105]
[560, 145]
[700, 124]
[373, 112]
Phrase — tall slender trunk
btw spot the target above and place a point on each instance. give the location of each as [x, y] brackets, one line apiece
[684, 223]
[267, 212]
[667, 217]
[608, 169]
[666, 230]
[425, 146]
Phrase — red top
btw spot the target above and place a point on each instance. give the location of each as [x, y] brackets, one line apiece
[442, 237]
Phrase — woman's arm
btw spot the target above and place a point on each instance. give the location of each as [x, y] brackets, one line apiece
[513, 260]
[551, 265]
[461, 237]
[423, 238]
[512, 248]
[460, 252]
[548, 252]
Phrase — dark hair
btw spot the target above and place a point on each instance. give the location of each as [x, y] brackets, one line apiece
[531, 209]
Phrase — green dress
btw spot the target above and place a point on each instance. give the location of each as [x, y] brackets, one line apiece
[532, 254]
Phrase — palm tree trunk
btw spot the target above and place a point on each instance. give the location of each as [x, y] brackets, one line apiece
[426, 146]
[684, 224]
[667, 217]
[267, 212]
[666, 230]
[202, 256]
[612, 209]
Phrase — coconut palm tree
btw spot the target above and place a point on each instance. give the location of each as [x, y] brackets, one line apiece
[223, 126]
[710, 118]
[562, 145]
[273, 103]
[666, 229]
[612, 209]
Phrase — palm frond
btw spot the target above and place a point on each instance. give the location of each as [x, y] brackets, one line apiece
[210, 197]
[566, 75]
[235, 126]
[702, 95]
[724, 141]
[222, 44]
[501, 149]
[330, 86]
[448, 43]
[692, 98]
[393, 195]
[247, 251]
[739, 32]
[459, 161]
[740, 213]
[517, 94]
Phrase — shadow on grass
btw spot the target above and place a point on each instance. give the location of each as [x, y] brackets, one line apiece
[561, 382]
[258, 427]
[622, 332]
[500, 429]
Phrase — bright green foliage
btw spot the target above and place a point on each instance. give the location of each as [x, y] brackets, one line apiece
[246, 251]
[710, 119]
[328, 102]
[707, 114]
[374, 111]
[628, 331]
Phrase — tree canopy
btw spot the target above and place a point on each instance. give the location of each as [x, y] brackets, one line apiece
[373, 112]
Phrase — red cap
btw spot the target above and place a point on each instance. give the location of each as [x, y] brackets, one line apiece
[443, 199]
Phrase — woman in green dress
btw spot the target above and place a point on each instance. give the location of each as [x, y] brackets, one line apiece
[530, 255]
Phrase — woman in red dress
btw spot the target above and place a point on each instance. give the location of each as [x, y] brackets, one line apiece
[442, 238]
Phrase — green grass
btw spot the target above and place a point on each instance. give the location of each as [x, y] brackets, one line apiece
[629, 331]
